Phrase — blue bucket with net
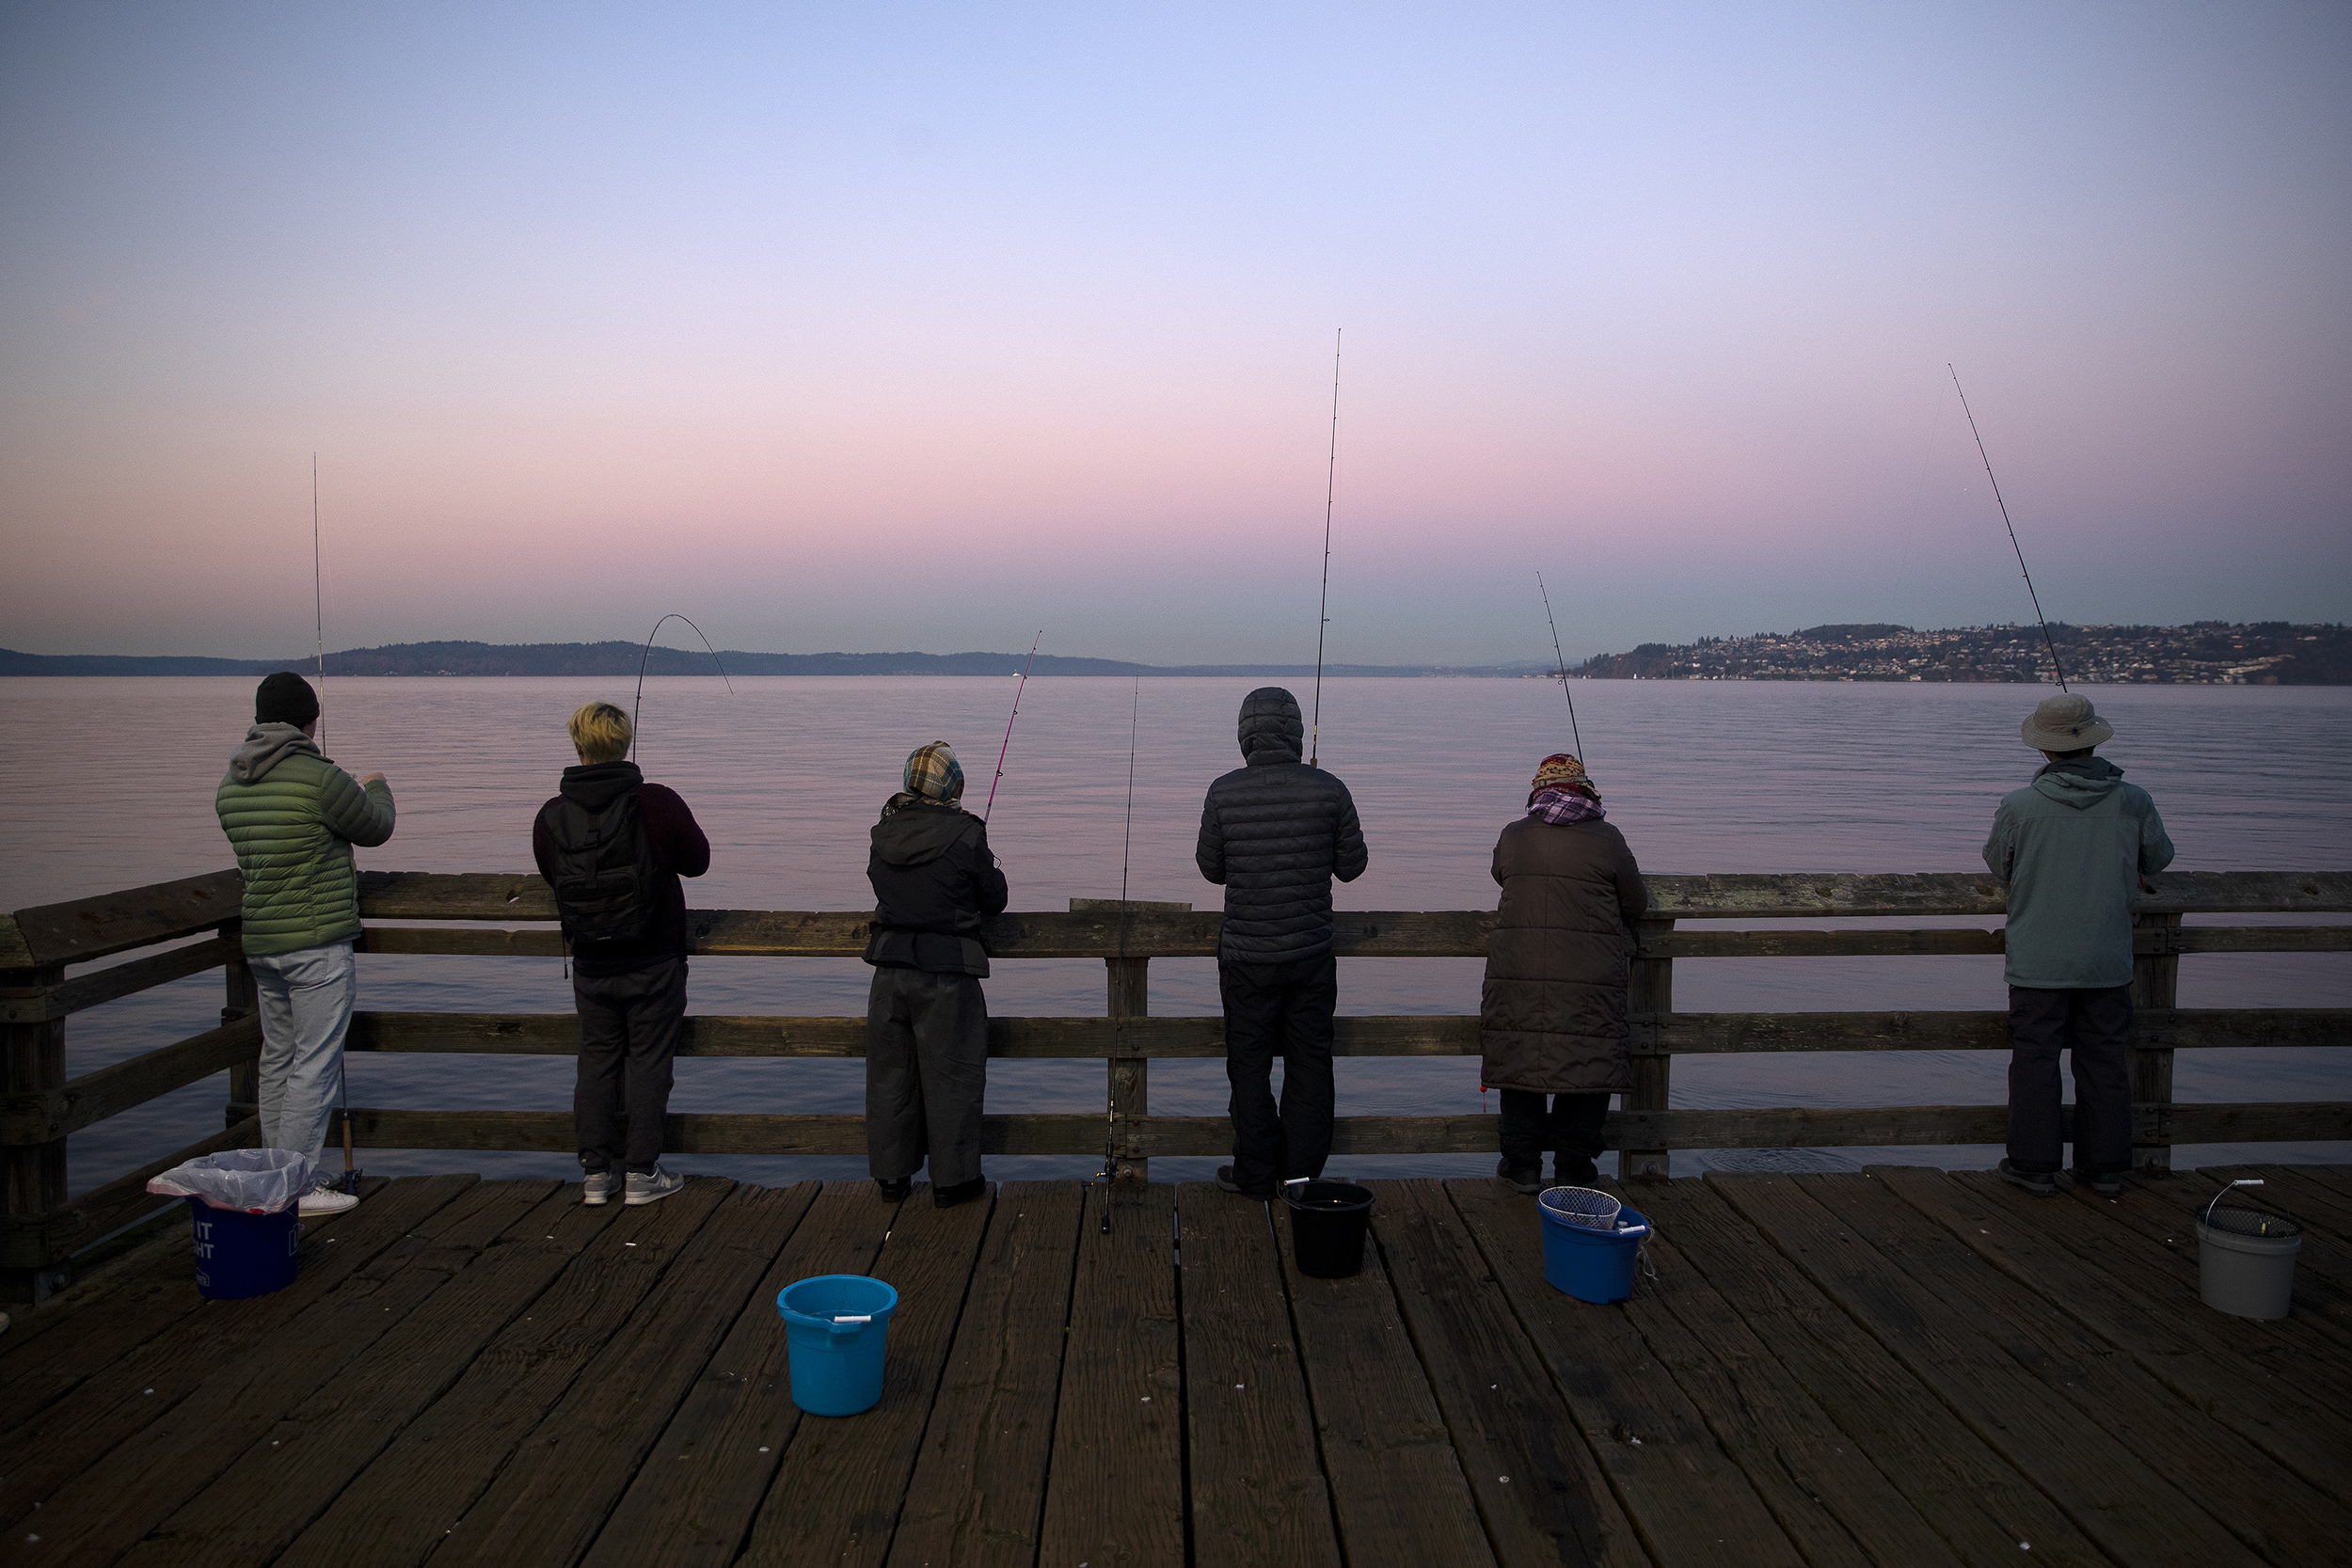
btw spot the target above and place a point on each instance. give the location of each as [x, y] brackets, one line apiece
[835, 1327]
[1591, 1243]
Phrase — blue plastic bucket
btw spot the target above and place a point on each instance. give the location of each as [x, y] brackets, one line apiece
[834, 1326]
[1589, 1263]
[240, 1254]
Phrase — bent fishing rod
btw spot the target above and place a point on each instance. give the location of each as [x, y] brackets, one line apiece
[2046, 638]
[642, 657]
[1563, 665]
[1022, 686]
[1330, 492]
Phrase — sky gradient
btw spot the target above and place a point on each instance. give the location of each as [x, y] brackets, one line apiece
[922, 327]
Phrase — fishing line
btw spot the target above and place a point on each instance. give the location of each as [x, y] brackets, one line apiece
[318, 596]
[1110, 1104]
[2046, 638]
[1563, 666]
[648, 653]
[1016, 713]
[1330, 492]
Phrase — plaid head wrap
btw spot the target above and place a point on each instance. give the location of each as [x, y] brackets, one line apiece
[1560, 772]
[932, 773]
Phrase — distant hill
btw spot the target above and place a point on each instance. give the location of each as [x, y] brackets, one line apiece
[2207, 653]
[621, 659]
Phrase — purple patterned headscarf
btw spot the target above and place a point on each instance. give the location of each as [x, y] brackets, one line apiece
[1560, 806]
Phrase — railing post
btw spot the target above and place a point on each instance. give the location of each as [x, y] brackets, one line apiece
[1650, 990]
[32, 1056]
[2155, 985]
[243, 998]
[1130, 1081]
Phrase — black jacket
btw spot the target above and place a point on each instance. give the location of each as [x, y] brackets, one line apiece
[1276, 833]
[933, 881]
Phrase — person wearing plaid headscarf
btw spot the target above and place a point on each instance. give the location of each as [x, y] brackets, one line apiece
[926, 1021]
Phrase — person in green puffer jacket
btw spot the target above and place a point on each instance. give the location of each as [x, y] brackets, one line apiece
[293, 816]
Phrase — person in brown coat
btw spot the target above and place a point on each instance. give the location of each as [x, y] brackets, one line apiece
[1551, 1012]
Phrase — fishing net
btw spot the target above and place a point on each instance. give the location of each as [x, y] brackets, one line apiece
[2250, 1222]
[1596, 1211]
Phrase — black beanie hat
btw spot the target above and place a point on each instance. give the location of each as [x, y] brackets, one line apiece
[285, 698]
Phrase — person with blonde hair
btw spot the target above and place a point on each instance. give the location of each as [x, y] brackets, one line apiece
[612, 847]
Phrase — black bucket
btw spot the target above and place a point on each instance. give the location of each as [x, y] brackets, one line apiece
[1327, 1223]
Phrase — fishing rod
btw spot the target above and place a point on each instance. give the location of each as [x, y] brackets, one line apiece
[1110, 1099]
[1016, 713]
[648, 653]
[1330, 492]
[2046, 638]
[1564, 664]
[318, 596]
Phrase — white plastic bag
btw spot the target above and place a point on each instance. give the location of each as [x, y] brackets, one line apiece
[252, 1180]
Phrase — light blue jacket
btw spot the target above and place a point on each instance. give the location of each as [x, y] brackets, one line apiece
[2073, 845]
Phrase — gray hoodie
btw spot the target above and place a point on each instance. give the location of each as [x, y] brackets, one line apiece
[2073, 845]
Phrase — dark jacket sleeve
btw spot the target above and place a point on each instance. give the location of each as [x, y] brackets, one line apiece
[678, 839]
[543, 845]
[1209, 854]
[1348, 855]
[989, 888]
[1632, 894]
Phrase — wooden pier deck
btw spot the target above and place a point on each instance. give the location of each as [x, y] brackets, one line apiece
[1903, 1367]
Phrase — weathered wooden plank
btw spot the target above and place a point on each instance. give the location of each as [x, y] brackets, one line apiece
[34, 1118]
[1822, 1490]
[473, 1328]
[1968, 1495]
[978, 1491]
[2199, 1359]
[1685, 1495]
[2279, 1122]
[94, 1517]
[35, 1004]
[2181, 1449]
[112, 1312]
[1258, 1496]
[81, 930]
[2256, 939]
[1909, 1296]
[1397, 1488]
[693, 1499]
[1544, 1497]
[835, 1500]
[47, 1438]
[1116, 1492]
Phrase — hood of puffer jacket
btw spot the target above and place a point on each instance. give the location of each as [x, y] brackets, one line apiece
[1271, 728]
[263, 748]
[2079, 782]
[593, 787]
[917, 831]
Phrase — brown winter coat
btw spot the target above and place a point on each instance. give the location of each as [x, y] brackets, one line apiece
[1552, 1013]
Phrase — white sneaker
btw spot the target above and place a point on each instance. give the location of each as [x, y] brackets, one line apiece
[598, 1186]
[323, 1197]
[651, 1187]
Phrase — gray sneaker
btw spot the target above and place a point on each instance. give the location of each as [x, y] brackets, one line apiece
[651, 1187]
[598, 1187]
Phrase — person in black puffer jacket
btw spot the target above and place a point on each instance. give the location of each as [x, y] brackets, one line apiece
[1275, 833]
[926, 1021]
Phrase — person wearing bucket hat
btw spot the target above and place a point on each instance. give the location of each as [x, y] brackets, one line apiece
[926, 1021]
[1551, 1009]
[2073, 847]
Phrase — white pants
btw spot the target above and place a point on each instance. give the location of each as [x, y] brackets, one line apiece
[305, 1000]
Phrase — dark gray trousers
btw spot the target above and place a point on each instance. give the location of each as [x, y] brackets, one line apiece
[2095, 1025]
[630, 1029]
[1281, 1009]
[1569, 1127]
[925, 1075]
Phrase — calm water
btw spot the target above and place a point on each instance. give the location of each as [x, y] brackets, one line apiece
[110, 785]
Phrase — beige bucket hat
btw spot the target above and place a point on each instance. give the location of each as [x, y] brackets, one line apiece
[2065, 723]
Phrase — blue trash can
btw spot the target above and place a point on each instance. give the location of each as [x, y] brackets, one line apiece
[834, 1326]
[240, 1254]
[1591, 1262]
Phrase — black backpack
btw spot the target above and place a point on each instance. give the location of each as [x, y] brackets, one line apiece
[604, 877]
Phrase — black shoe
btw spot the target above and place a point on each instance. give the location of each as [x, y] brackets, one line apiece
[1582, 1174]
[2107, 1183]
[962, 1191]
[2039, 1183]
[1525, 1179]
[1225, 1180]
[896, 1189]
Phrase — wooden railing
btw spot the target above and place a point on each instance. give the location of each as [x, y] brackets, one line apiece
[40, 1229]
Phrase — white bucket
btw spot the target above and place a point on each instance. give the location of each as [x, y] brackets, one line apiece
[2246, 1261]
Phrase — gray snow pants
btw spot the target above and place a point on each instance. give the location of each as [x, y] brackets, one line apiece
[926, 1074]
